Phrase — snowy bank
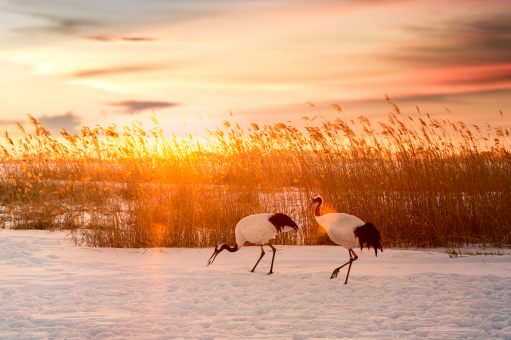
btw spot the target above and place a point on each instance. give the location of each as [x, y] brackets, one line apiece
[52, 290]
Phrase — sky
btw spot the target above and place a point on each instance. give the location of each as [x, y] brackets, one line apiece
[71, 63]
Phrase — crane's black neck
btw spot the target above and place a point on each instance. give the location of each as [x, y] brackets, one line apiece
[317, 212]
[231, 249]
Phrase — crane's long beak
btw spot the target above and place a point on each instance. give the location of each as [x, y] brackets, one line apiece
[310, 205]
[213, 257]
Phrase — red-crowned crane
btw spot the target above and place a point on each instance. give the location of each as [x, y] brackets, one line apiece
[258, 229]
[349, 232]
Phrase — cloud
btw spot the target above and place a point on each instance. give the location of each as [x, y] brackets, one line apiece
[134, 106]
[59, 25]
[7, 121]
[69, 121]
[485, 80]
[116, 70]
[480, 40]
[108, 38]
[137, 39]
[99, 18]
[452, 98]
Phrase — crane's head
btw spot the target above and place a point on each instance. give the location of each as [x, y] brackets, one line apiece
[317, 199]
[218, 250]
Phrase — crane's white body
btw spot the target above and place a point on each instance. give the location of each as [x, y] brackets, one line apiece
[349, 232]
[341, 228]
[256, 229]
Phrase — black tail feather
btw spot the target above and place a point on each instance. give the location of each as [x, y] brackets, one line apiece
[280, 221]
[370, 236]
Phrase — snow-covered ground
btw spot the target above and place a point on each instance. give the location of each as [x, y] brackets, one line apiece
[52, 290]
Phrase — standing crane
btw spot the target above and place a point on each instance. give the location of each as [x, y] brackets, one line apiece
[347, 231]
[258, 229]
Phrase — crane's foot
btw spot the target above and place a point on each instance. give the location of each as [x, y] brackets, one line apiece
[269, 273]
[352, 259]
[336, 270]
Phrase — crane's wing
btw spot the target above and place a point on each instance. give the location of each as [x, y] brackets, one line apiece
[256, 228]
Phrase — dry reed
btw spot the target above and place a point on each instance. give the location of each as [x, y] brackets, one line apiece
[423, 181]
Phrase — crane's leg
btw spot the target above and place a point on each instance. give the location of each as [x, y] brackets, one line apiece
[351, 261]
[262, 254]
[336, 270]
[272, 259]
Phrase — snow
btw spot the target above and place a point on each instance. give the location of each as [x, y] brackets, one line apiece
[52, 290]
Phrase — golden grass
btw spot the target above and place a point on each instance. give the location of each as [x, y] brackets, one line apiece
[423, 181]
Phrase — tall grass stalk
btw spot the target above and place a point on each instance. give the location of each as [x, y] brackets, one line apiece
[423, 181]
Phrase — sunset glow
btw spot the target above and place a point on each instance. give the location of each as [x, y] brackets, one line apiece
[219, 169]
[73, 63]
